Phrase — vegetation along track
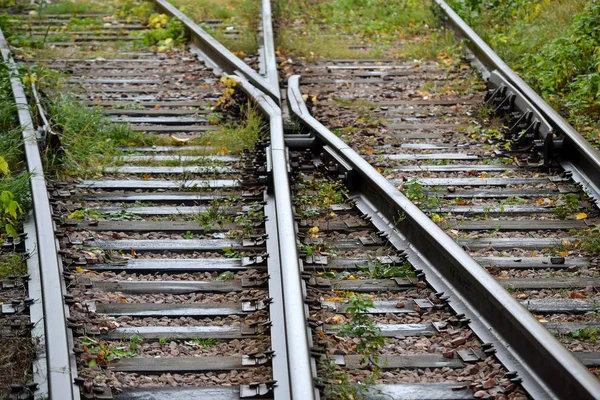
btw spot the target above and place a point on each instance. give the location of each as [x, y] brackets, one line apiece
[175, 230]
[480, 160]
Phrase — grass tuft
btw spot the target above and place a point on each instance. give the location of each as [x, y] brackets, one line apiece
[87, 138]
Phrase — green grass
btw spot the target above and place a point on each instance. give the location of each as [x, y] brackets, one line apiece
[12, 265]
[15, 195]
[397, 28]
[559, 57]
[242, 15]
[236, 136]
[87, 138]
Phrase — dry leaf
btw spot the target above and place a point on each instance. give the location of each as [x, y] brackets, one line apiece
[581, 215]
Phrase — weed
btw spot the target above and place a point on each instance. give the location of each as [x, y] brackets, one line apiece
[238, 135]
[213, 214]
[12, 265]
[362, 326]
[566, 205]
[590, 240]
[226, 276]
[10, 213]
[417, 194]
[206, 343]
[236, 15]
[166, 34]
[318, 195]
[164, 340]
[87, 213]
[247, 220]
[230, 253]
[99, 352]
[382, 271]
[133, 342]
[559, 59]
[339, 385]
[586, 333]
[87, 137]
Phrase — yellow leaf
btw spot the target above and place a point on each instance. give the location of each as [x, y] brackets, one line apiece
[564, 253]
[4, 170]
[79, 270]
[179, 140]
[123, 300]
[581, 215]
[314, 230]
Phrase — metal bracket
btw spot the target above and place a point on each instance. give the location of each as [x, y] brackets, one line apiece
[316, 260]
[255, 328]
[336, 165]
[253, 359]
[254, 260]
[254, 241]
[257, 390]
[424, 304]
[255, 305]
[471, 356]
[443, 327]
[253, 282]
[528, 129]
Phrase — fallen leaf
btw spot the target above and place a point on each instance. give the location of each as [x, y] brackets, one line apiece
[179, 140]
[576, 295]
[581, 215]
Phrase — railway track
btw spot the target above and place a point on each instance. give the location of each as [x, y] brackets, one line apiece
[293, 269]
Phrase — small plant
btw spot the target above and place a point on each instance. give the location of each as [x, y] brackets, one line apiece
[382, 271]
[230, 253]
[12, 265]
[318, 195]
[164, 340]
[10, 213]
[361, 326]
[133, 342]
[207, 343]
[88, 213]
[590, 240]
[248, 219]
[566, 205]
[226, 276]
[188, 235]
[586, 333]
[102, 353]
[166, 32]
[339, 384]
[417, 194]
[213, 214]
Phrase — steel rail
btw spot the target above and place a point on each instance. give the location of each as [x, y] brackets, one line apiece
[577, 154]
[296, 326]
[547, 369]
[219, 54]
[267, 96]
[60, 371]
[269, 49]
